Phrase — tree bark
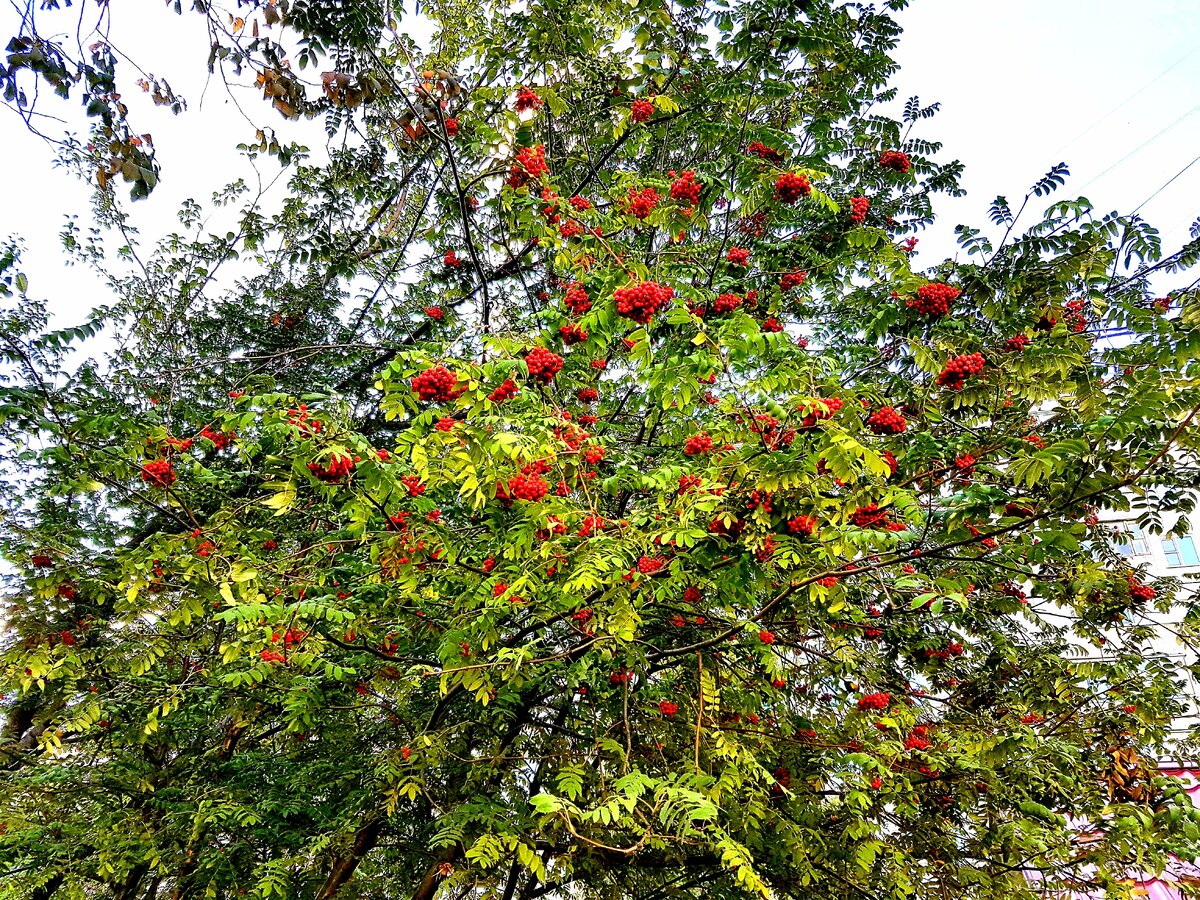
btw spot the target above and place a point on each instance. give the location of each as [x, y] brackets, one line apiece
[343, 869]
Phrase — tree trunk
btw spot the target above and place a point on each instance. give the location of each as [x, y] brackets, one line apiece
[343, 868]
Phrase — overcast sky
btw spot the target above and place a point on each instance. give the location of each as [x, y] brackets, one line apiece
[1111, 88]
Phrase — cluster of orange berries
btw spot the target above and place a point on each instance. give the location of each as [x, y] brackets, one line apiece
[338, 467]
[573, 334]
[933, 300]
[874, 701]
[641, 301]
[685, 189]
[640, 204]
[577, 299]
[790, 188]
[762, 151]
[726, 303]
[530, 164]
[887, 421]
[896, 161]
[527, 487]
[437, 383]
[542, 364]
[158, 473]
[792, 280]
[527, 99]
[954, 376]
[506, 390]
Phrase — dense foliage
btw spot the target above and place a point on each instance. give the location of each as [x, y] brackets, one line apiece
[573, 489]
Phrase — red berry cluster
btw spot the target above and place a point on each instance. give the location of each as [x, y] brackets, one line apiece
[766, 637]
[577, 299]
[667, 708]
[869, 516]
[640, 204]
[587, 395]
[697, 444]
[692, 594]
[542, 364]
[435, 312]
[739, 256]
[158, 473]
[451, 260]
[648, 565]
[896, 161]
[527, 99]
[874, 701]
[858, 209]
[446, 423]
[762, 151]
[965, 464]
[451, 126]
[887, 421]
[771, 325]
[529, 165]
[438, 383]
[790, 188]
[802, 525]
[726, 303]
[412, 484]
[219, 439]
[641, 301]
[1016, 344]
[685, 189]
[335, 470]
[570, 229]
[528, 487]
[792, 279]
[573, 334]
[580, 203]
[641, 110]
[822, 409]
[959, 369]
[933, 300]
[623, 676]
[506, 390]
[1140, 592]
[917, 740]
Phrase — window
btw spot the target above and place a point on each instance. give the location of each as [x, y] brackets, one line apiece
[1131, 541]
[1180, 552]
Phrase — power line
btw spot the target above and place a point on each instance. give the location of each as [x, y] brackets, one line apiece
[1172, 179]
[1126, 101]
[1141, 146]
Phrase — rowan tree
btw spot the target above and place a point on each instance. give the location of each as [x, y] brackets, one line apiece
[573, 489]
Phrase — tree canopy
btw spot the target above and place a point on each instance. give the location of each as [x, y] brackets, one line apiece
[573, 489]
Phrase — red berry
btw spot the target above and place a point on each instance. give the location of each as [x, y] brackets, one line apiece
[790, 187]
[896, 161]
[887, 421]
[640, 302]
[933, 300]
[542, 364]
[437, 383]
[527, 99]
[954, 376]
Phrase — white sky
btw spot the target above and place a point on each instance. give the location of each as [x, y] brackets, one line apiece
[1023, 84]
